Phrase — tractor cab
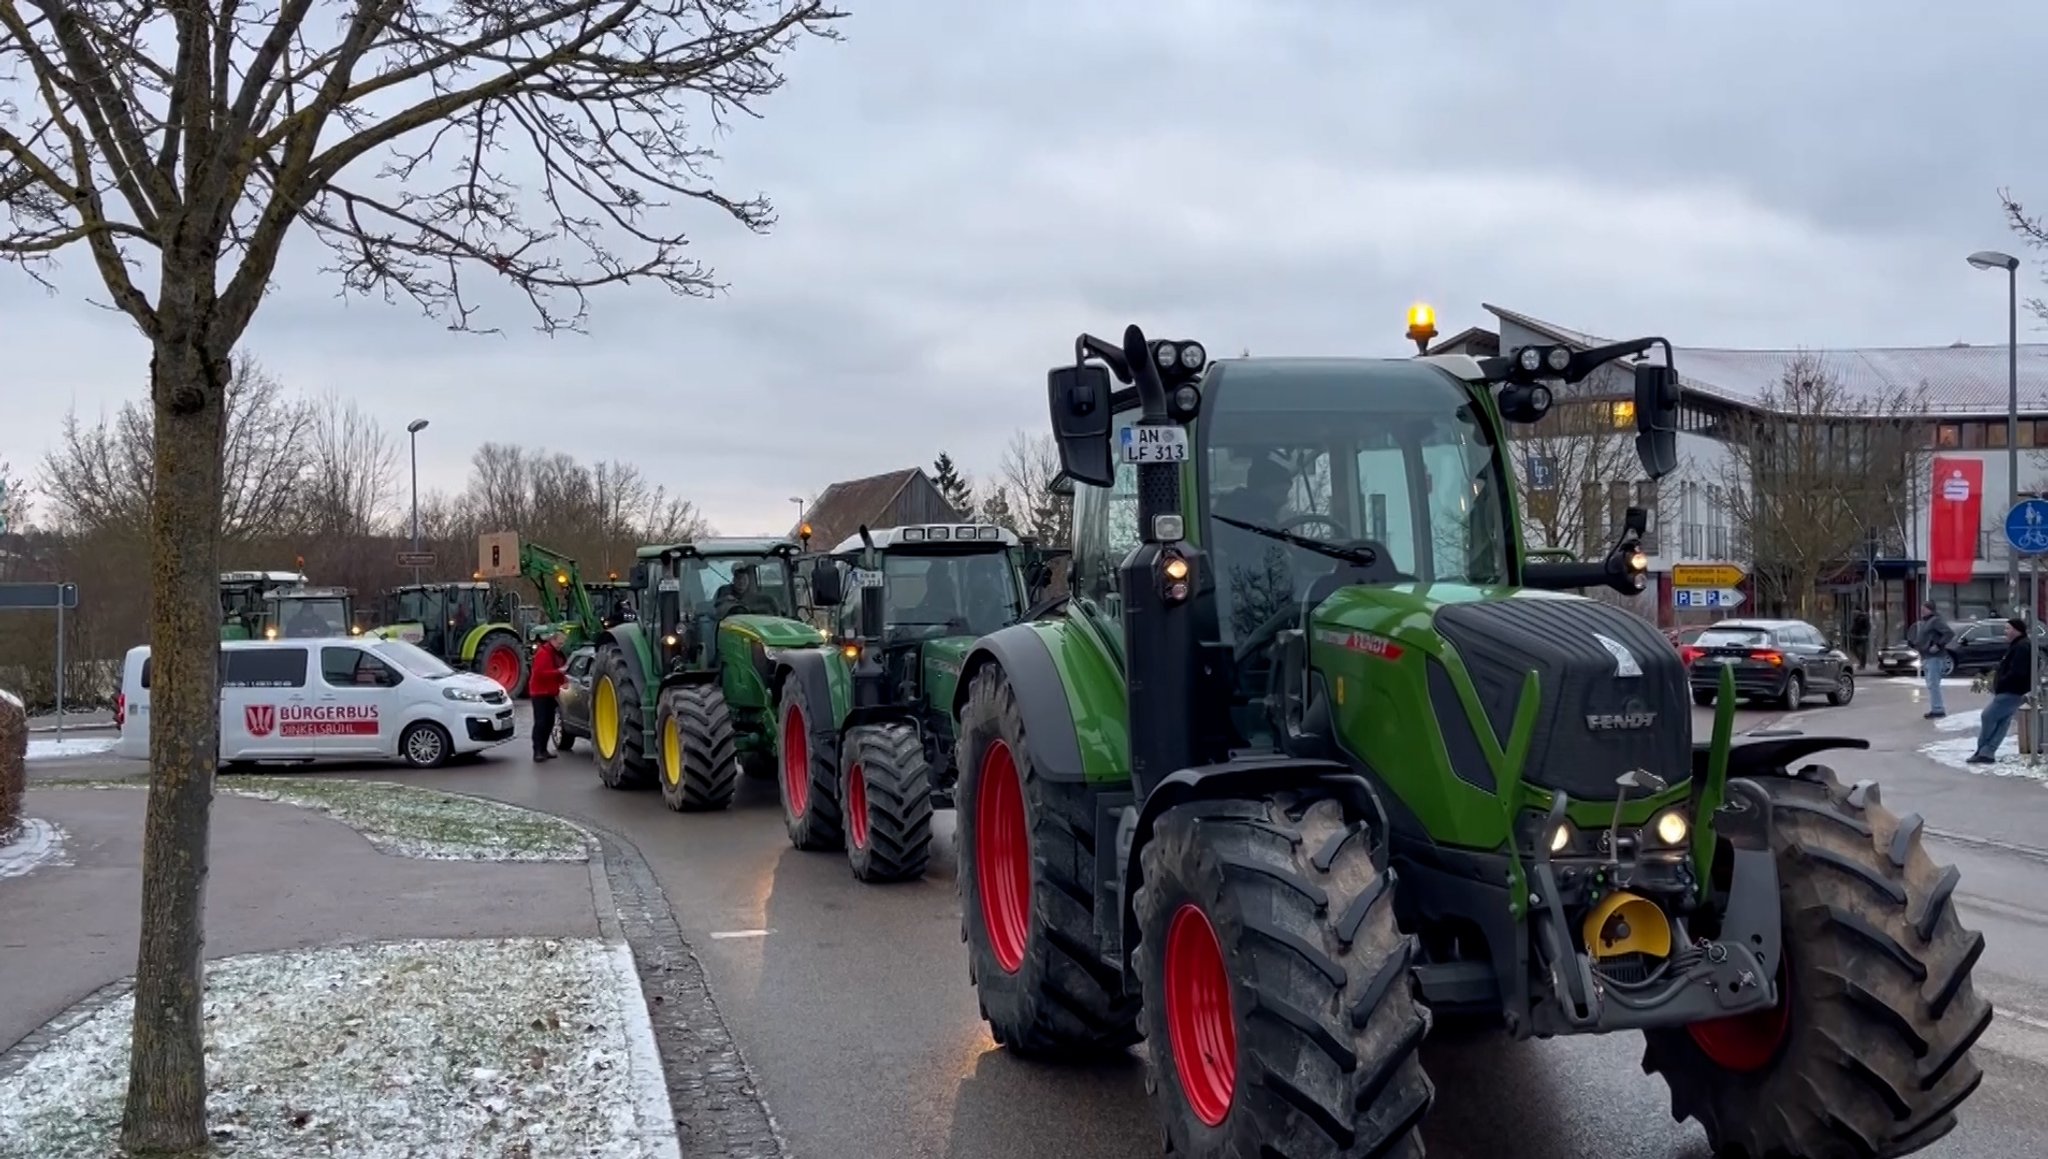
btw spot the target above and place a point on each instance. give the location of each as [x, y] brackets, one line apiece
[696, 587]
[920, 595]
[301, 613]
[612, 599]
[242, 608]
[438, 616]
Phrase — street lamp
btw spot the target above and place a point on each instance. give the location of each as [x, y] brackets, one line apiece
[798, 500]
[1993, 260]
[413, 429]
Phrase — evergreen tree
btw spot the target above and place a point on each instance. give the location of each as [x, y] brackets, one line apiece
[952, 484]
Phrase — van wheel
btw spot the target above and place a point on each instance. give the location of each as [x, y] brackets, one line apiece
[425, 745]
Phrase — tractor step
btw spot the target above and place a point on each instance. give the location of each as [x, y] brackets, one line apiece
[942, 798]
[1458, 985]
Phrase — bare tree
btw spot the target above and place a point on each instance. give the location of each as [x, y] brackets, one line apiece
[352, 472]
[13, 501]
[2033, 230]
[1031, 462]
[1569, 468]
[101, 477]
[1812, 472]
[187, 140]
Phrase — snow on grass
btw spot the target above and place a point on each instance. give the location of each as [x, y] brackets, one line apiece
[406, 820]
[525, 1048]
[1967, 721]
[2011, 762]
[36, 843]
[84, 746]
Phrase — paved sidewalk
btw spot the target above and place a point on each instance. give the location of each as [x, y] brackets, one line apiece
[281, 878]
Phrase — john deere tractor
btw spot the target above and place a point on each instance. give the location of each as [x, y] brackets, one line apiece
[866, 736]
[1311, 758]
[684, 693]
[469, 625]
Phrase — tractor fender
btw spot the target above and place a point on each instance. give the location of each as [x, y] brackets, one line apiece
[1041, 697]
[1243, 778]
[808, 669]
[474, 640]
[1767, 756]
[634, 643]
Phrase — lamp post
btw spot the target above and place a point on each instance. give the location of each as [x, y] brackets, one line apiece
[798, 500]
[1993, 260]
[413, 429]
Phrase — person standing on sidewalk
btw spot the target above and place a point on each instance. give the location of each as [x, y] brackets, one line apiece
[1859, 638]
[543, 685]
[2008, 693]
[1930, 637]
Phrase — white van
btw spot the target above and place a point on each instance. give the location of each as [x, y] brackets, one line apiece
[338, 698]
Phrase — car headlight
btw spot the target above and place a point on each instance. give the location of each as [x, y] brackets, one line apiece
[1671, 828]
[463, 694]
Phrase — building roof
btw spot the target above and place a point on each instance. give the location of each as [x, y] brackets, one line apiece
[1960, 379]
[842, 507]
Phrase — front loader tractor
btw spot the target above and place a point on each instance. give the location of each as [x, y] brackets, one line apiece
[684, 694]
[866, 731]
[1314, 757]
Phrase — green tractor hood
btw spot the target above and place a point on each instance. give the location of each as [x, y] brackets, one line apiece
[1613, 698]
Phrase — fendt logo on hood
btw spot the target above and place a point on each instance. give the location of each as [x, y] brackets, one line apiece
[1633, 715]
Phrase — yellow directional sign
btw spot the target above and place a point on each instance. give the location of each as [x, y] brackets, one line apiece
[1706, 575]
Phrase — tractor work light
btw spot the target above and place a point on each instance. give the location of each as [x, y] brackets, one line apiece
[913, 533]
[938, 533]
[1187, 402]
[1166, 354]
[270, 633]
[1193, 357]
[963, 533]
[562, 578]
[989, 533]
[1671, 828]
[1638, 562]
[1559, 358]
[1168, 528]
[1531, 359]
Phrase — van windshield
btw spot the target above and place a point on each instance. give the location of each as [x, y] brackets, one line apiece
[414, 660]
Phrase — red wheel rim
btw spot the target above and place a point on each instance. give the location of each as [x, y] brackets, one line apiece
[502, 666]
[857, 806]
[1747, 1043]
[1002, 857]
[1199, 1021]
[796, 761]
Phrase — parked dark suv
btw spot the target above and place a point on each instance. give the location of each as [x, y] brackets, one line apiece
[1980, 645]
[1781, 661]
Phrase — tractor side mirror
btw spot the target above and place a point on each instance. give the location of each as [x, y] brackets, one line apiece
[1079, 396]
[828, 589]
[637, 578]
[1657, 418]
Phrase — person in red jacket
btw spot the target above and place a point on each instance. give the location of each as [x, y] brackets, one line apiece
[543, 685]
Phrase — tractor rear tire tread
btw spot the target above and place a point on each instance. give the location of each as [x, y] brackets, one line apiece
[1064, 1001]
[1328, 1025]
[898, 786]
[822, 828]
[1877, 1056]
[710, 769]
[629, 767]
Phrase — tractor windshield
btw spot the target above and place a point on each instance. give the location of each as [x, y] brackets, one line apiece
[728, 585]
[469, 606]
[309, 617]
[1403, 465]
[948, 595]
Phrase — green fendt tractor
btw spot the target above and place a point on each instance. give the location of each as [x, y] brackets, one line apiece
[468, 625]
[272, 604]
[684, 693]
[866, 736]
[1310, 757]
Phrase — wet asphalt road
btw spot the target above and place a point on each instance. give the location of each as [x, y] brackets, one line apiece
[852, 1003]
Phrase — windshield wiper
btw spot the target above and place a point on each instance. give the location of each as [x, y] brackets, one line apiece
[1361, 556]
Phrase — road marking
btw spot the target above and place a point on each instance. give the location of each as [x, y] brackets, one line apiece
[2017, 1036]
[2030, 852]
[721, 934]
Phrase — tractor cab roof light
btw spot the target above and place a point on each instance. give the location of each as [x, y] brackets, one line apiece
[913, 533]
[989, 533]
[964, 532]
[938, 533]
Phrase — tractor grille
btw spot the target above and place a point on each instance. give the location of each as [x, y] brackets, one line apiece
[1593, 723]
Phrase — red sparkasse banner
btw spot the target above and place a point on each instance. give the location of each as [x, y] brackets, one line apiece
[1953, 513]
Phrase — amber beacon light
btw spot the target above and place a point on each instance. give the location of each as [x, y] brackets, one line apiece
[1421, 326]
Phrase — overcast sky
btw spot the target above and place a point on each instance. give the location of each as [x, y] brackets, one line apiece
[964, 186]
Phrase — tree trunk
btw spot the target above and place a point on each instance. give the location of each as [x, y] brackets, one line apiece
[166, 1106]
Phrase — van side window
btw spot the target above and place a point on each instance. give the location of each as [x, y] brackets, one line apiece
[355, 668]
[264, 668]
[148, 666]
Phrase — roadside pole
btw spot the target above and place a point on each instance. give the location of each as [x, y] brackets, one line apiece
[2034, 664]
[60, 673]
[44, 597]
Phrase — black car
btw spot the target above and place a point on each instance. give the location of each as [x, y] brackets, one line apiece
[572, 715]
[1980, 645]
[1897, 659]
[1781, 661]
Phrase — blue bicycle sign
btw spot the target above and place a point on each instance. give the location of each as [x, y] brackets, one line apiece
[2026, 526]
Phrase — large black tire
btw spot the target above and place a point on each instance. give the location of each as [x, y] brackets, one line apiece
[886, 787]
[809, 776]
[1277, 906]
[1869, 1053]
[627, 766]
[693, 732]
[504, 650]
[1048, 993]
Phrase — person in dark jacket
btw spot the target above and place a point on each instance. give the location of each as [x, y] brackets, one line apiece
[543, 685]
[1931, 636]
[2008, 692]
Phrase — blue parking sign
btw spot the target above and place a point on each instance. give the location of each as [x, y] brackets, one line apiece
[2026, 526]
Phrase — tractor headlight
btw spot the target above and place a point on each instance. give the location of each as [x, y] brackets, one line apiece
[1561, 837]
[1531, 359]
[1166, 354]
[1671, 827]
[1192, 356]
[670, 641]
[1559, 358]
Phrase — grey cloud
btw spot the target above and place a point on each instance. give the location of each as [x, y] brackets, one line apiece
[963, 187]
